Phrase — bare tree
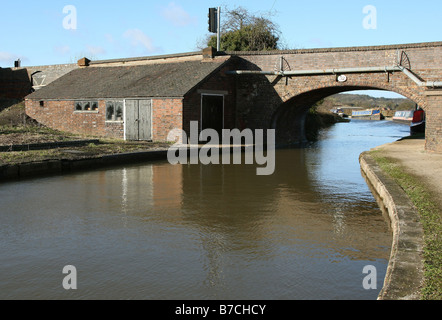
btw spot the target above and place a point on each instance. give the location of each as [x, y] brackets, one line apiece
[243, 31]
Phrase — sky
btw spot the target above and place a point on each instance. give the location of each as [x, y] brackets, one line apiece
[63, 31]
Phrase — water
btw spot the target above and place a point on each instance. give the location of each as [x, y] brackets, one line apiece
[157, 231]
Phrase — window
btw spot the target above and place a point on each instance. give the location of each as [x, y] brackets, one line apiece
[86, 106]
[42, 103]
[114, 111]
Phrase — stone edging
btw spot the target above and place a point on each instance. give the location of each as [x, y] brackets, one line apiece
[47, 145]
[62, 166]
[405, 272]
[337, 49]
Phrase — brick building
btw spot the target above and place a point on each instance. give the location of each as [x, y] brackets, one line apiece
[139, 98]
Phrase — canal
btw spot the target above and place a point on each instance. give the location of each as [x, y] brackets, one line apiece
[157, 231]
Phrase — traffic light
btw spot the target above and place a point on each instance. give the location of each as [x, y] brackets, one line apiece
[213, 20]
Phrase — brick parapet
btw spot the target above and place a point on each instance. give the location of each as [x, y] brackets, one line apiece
[339, 49]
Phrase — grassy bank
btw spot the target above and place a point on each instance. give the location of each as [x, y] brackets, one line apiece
[17, 129]
[430, 216]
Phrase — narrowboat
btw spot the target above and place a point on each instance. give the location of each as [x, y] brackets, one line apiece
[367, 115]
[418, 122]
[403, 116]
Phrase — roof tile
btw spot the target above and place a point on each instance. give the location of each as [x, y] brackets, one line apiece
[153, 80]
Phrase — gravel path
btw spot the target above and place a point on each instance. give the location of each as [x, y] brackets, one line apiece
[412, 156]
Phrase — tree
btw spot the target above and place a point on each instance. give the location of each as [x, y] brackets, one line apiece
[242, 31]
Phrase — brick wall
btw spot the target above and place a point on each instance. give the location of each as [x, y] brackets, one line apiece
[61, 115]
[114, 130]
[434, 122]
[218, 83]
[421, 56]
[14, 86]
[167, 114]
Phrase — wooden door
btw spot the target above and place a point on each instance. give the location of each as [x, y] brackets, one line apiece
[132, 120]
[139, 120]
[145, 120]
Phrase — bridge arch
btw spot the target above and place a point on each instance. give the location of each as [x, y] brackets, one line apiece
[272, 87]
[288, 119]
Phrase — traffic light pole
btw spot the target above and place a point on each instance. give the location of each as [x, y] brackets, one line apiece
[218, 41]
[215, 25]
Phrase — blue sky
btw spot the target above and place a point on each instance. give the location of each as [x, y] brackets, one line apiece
[34, 31]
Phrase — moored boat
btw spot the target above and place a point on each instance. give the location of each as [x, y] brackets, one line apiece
[403, 116]
[418, 122]
[367, 115]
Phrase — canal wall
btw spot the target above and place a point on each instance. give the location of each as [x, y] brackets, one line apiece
[405, 271]
[64, 166]
[9, 172]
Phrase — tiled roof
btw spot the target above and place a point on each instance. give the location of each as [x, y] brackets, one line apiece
[152, 80]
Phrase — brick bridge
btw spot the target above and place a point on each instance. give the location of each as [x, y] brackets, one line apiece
[276, 89]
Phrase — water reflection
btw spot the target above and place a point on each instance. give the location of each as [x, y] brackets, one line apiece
[158, 231]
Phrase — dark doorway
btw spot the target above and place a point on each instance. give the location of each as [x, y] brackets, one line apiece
[212, 112]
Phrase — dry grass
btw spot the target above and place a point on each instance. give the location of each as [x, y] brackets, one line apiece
[430, 216]
[17, 129]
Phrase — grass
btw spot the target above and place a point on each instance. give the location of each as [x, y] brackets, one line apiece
[105, 147]
[21, 129]
[16, 128]
[14, 115]
[430, 217]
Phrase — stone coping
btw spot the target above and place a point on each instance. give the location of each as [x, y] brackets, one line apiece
[336, 49]
[64, 166]
[10, 172]
[405, 271]
[47, 145]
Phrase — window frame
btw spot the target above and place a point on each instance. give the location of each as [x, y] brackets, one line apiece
[115, 104]
[83, 103]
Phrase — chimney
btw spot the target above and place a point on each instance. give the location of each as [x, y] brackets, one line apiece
[17, 64]
[209, 53]
[83, 62]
